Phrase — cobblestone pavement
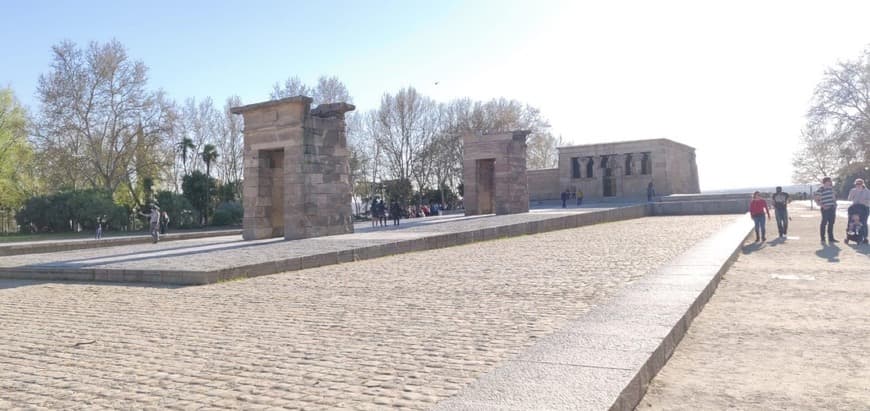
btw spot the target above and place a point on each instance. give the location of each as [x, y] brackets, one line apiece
[207, 254]
[787, 328]
[405, 330]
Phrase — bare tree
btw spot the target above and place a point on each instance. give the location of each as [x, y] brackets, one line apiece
[96, 114]
[293, 87]
[842, 105]
[201, 124]
[542, 152]
[407, 125]
[818, 156]
[231, 164]
[330, 90]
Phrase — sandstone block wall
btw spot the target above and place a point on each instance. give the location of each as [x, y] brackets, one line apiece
[297, 177]
[494, 173]
[543, 184]
[618, 170]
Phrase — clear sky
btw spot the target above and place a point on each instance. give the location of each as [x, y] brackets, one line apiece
[733, 79]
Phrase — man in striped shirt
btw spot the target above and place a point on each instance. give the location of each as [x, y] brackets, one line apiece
[828, 204]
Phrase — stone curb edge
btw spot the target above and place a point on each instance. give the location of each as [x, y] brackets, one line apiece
[41, 247]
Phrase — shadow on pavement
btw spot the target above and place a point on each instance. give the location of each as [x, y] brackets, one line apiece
[830, 252]
[752, 247]
[142, 255]
[776, 242]
[861, 248]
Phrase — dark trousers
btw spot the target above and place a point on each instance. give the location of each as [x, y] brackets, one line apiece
[828, 216]
[781, 215]
[760, 225]
[862, 211]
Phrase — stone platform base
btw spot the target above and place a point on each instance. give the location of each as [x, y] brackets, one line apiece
[227, 261]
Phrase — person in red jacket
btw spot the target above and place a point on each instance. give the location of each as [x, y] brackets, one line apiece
[757, 210]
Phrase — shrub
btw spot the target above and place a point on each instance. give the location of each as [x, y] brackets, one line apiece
[228, 213]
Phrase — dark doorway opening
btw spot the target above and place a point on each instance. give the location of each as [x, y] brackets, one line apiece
[486, 185]
[609, 183]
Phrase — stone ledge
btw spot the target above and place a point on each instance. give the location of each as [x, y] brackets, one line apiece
[39, 247]
[607, 358]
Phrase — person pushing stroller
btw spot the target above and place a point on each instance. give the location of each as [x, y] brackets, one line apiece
[855, 231]
[860, 198]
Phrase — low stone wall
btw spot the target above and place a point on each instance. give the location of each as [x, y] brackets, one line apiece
[39, 247]
[707, 197]
[696, 207]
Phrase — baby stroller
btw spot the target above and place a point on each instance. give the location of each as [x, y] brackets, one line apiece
[856, 231]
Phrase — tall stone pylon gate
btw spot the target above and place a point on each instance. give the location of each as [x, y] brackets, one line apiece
[297, 177]
[494, 173]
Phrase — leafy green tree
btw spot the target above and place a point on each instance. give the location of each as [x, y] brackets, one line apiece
[199, 189]
[228, 192]
[16, 154]
[398, 190]
[71, 210]
[182, 214]
[228, 213]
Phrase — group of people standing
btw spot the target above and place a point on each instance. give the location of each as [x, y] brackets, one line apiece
[856, 228]
[826, 199]
[568, 195]
[379, 212]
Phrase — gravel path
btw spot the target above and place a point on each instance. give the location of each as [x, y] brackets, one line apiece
[406, 330]
[788, 328]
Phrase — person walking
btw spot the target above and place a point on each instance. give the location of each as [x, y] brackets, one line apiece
[99, 234]
[757, 210]
[373, 211]
[154, 220]
[164, 222]
[780, 211]
[382, 213]
[579, 196]
[860, 198]
[650, 192]
[827, 202]
[395, 212]
[564, 198]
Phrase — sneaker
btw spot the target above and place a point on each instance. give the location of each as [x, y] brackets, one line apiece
[833, 240]
[763, 238]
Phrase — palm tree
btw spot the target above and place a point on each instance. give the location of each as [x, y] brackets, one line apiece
[185, 145]
[209, 155]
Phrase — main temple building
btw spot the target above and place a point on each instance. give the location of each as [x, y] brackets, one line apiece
[621, 170]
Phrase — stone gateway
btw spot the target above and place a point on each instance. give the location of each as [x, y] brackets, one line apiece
[297, 178]
[494, 173]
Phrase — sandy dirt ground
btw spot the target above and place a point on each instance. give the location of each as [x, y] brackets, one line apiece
[788, 328]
